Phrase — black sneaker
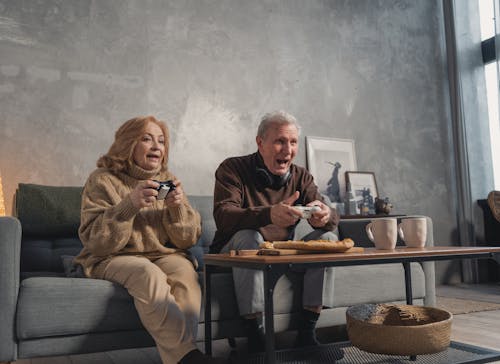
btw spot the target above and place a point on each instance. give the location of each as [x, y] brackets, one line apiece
[307, 329]
[306, 338]
[256, 338]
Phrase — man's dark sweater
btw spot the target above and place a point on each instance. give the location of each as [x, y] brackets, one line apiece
[241, 201]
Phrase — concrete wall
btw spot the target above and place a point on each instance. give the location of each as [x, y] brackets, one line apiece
[374, 71]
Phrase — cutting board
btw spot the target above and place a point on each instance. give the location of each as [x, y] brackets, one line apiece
[297, 251]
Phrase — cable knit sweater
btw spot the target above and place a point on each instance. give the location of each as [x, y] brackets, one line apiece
[111, 225]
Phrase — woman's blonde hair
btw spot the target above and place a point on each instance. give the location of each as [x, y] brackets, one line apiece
[120, 154]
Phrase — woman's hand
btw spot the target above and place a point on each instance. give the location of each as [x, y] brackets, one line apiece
[175, 197]
[144, 194]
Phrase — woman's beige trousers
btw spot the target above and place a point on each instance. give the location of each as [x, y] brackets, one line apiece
[167, 297]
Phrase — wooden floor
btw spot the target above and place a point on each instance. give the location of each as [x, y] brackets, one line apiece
[477, 328]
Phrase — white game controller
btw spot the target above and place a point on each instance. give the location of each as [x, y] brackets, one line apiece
[307, 211]
[162, 192]
[164, 188]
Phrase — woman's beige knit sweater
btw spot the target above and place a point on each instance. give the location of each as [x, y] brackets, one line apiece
[111, 225]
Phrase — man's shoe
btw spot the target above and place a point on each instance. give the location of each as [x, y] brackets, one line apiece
[256, 338]
[494, 203]
[197, 357]
[307, 329]
[306, 338]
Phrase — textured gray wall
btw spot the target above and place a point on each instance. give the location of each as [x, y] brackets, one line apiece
[374, 71]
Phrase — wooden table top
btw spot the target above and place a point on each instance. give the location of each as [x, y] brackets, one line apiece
[369, 254]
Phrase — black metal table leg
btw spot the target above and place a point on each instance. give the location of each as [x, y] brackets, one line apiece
[208, 309]
[271, 276]
[409, 292]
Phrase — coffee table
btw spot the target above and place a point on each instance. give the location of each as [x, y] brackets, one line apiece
[273, 267]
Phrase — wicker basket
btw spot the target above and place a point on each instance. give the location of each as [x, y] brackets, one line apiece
[399, 329]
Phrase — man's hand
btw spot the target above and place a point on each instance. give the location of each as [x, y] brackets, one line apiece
[283, 214]
[319, 218]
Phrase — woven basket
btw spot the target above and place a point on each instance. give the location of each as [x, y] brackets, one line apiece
[399, 329]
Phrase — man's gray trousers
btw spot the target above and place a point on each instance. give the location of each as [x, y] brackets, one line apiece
[249, 283]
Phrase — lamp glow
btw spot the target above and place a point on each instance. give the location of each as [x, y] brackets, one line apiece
[2, 202]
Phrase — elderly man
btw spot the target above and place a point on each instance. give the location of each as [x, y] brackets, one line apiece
[253, 202]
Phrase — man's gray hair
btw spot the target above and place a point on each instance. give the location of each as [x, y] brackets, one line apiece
[276, 117]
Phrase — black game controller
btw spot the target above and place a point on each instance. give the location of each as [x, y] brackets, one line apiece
[164, 188]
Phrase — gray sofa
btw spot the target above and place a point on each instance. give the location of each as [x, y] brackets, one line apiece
[47, 312]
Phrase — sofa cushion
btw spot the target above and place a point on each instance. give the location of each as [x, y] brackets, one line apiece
[204, 205]
[48, 210]
[376, 283]
[45, 255]
[55, 306]
[287, 296]
[50, 306]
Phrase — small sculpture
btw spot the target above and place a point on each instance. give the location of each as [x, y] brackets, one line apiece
[382, 206]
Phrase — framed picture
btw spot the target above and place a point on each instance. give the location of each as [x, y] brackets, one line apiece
[327, 161]
[364, 189]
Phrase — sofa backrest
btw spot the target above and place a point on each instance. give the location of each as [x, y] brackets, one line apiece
[50, 217]
[204, 205]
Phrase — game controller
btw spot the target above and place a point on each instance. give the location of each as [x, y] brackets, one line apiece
[307, 211]
[164, 188]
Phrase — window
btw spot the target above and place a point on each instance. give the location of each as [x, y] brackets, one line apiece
[487, 15]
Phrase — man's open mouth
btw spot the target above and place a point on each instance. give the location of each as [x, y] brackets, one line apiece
[282, 162]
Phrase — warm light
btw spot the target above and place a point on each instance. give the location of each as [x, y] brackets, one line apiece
[2, 203]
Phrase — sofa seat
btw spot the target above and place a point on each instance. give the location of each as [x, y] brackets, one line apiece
[45, 305]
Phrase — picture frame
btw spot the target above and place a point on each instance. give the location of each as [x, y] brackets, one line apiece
[364, 189]
[327, 160]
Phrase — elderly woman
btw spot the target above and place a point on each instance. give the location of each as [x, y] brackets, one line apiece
[139, 241]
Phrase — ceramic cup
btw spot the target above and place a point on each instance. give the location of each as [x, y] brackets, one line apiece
[413, 231]
[383, 232]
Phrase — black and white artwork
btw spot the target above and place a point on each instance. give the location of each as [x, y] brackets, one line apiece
[364, 188]
[327, 160]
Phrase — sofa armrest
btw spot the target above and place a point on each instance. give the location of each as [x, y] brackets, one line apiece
[10, 250]
[429, 269]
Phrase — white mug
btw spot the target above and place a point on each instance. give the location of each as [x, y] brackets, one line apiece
[383, 232]
[413, 231]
